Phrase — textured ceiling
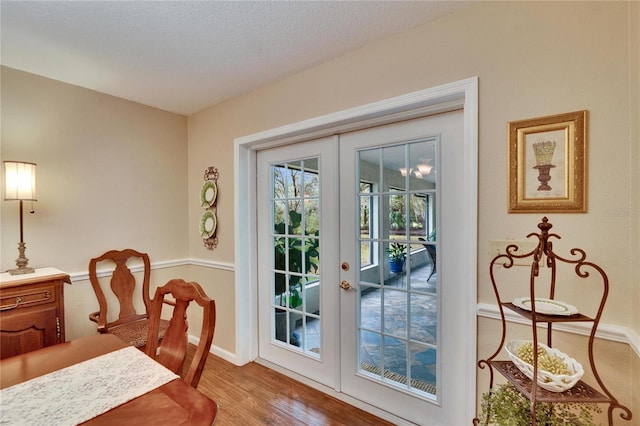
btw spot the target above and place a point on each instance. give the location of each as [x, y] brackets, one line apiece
[183, 56]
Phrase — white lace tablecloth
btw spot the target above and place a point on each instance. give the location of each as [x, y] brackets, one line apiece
[82, 391]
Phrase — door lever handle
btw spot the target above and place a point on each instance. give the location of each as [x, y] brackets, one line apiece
[345, 285]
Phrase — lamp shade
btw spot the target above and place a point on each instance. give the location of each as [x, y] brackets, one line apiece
[20, 180]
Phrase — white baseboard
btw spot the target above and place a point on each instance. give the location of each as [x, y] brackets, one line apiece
[216, 350]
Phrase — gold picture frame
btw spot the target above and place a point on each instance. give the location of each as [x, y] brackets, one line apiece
[547, 164]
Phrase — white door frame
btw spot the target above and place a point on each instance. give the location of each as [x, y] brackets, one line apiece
[463, 93]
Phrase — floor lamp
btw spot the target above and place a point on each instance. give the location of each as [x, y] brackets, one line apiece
[20, 184]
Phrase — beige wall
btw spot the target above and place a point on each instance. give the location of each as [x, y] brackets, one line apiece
[104, 164]
[111, 174]
[109, 164]
[532, 59]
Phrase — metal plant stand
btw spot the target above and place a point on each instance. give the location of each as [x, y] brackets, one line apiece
[544, 256]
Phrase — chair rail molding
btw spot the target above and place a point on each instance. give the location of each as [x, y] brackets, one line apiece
[206, 263]
[611, 332]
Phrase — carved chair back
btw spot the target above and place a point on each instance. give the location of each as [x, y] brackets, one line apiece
[171, 351]
[130, 324]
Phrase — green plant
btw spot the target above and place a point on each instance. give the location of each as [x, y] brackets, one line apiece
[396, 252]
[397, 211]
[506, 406]
[301, 256]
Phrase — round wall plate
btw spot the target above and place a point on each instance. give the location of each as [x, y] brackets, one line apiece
[208, 223]
[208, 193]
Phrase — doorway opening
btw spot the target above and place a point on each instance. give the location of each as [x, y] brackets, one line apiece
[445, 98]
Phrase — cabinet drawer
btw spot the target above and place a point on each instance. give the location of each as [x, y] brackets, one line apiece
[31, 310]
[24, 298]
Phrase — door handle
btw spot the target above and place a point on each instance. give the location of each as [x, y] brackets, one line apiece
[345, 285]
[19, 300]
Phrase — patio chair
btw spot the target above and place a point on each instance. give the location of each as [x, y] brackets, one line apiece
[431, 249]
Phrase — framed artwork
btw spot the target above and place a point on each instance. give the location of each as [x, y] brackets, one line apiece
[547, 164]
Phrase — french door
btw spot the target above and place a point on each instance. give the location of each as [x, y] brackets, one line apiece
[404, 349]
[297, 239]
[333, 306]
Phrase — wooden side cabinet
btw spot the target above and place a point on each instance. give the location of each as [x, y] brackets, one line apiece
[31, 311]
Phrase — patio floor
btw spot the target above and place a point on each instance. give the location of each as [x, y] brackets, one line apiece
[388, 351]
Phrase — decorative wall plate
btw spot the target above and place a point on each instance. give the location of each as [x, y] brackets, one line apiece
[208, 193]
[208, 223]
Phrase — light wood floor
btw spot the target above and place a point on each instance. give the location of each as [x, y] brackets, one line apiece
[256, 395]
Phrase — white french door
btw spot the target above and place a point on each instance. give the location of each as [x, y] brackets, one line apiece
[297, 236]
[402, 346]
[331, 306]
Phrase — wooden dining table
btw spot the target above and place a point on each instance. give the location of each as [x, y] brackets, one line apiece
[174, 403]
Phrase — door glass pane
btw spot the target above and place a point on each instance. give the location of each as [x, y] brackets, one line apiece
[367, 233]
[296, 256]
[394, 176]
[397, 276]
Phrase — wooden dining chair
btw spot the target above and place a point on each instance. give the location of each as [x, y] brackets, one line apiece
[172, 350]
[130, 325]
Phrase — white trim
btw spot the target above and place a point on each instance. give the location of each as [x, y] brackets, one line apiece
[426, 102]
[634, 340]
[246, 256]
[469, 257]
[422, 103]
[205, 263]
[84, 276]
[611, 332]
[215, 350]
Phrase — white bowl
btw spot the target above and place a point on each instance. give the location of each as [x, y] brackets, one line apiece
[546, 380]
